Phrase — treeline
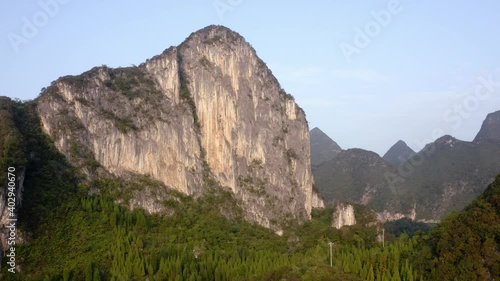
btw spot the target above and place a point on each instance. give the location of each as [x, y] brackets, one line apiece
[109, 242]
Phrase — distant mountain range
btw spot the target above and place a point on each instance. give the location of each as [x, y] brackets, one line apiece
[446, 175]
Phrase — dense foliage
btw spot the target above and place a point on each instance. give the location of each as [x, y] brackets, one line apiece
[407, 226]
[11, 141]
[466, 245]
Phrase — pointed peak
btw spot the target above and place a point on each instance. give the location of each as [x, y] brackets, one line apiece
[323, 148]
[398, 153]
[317, 131]
[318, 136]
[445, 138]
[401, 142]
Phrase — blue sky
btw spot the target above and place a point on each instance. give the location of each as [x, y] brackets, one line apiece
[368, 73]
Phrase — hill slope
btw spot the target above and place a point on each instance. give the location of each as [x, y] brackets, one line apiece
[465, 246]
[446, 175]
[452, 173]
[323, 148]
[398, 153]
[355, 175]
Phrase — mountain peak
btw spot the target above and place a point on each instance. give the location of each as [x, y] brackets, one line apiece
[214, 34]
[319, 132]
[323, 148]
[445, 138]
[215, 28]
[490, 130]
[400, 143]
[400, 152]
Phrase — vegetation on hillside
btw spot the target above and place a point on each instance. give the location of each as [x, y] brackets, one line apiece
[12, 151]
[446, 176]
[73, 233]
[406, 226]
[466, 245]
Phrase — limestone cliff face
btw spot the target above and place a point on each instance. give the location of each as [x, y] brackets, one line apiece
[151, 134]
[317, 200]
[208, 109]
[343, 215]
[248, 124]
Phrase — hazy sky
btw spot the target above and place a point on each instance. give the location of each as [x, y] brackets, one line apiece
[366, 72]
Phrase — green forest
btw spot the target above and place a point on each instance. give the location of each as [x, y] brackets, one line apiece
[72, 234]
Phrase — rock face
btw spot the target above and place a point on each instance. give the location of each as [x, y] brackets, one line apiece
[343, 215]
[387, 216]
[208, 111]
[323, 148]
[317, 200]
[490, 130]
[398, 153]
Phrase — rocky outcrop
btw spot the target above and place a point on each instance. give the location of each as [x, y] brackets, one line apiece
[206, 112]
[317, 201]
[343, 215]
[388, 216]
